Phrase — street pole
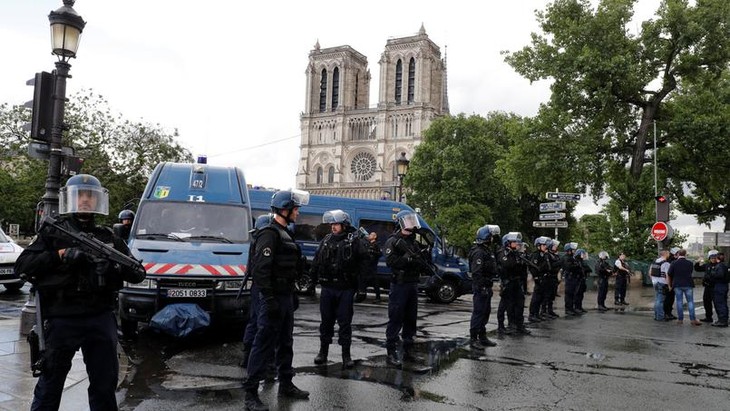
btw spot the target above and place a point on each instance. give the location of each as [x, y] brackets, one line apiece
[400, 189]
[656, 190]
[53, 179]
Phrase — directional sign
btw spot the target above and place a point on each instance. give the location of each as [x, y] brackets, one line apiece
[723, 239]
[556, 206]
[552, 216]
[554, 195]
[550, 224]
[660, 231]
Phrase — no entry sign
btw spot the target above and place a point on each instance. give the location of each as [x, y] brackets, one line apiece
[660, 231]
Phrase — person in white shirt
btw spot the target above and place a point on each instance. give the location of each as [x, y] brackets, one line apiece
[623, 275]
[658, 272]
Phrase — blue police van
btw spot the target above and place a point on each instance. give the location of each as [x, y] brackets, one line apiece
[377, 216]
[191, 232]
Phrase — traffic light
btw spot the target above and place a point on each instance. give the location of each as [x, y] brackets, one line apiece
[662, 208]
[42, 105]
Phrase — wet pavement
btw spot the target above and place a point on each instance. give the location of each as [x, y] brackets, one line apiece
[618, 359]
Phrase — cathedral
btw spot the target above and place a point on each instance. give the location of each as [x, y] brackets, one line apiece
[349, 148]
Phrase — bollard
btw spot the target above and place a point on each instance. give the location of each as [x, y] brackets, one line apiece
[27, 314]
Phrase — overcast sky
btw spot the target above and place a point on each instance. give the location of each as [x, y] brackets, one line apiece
[229, 75]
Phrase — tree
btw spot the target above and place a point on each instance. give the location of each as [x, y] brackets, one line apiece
[121, 153]
[609, 85]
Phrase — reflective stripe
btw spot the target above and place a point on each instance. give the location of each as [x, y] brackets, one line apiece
[195, 269]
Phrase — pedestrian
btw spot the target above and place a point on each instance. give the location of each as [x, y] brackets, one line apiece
[552, 280]
[680, 279]
[277, 262]
[512, 268]
[571, 273]
[603, 272]
[709, 290]
[252, 325]
[341, 259]
[658, 273]
[407, 259]
[669, 296]
[483, 269]
[124, 227]
[370, 278]
[623, 278]
[539, 268]
[77, 293]
[581, 256]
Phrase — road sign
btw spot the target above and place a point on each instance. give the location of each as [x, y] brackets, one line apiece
[660, 231]
[556, 206]
[42, 151]
[555, 195]
[550, 224]
[552, 216]
[723, 239]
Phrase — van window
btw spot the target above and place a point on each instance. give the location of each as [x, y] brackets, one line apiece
[382, 228]
[309, 227]
[193, 220]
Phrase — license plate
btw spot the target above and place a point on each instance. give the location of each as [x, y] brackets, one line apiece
[187, 292]
[6, 271]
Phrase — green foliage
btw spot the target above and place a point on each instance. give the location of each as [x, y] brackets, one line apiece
[119, 152]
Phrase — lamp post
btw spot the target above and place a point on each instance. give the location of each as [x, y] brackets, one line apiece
[66, 28]
[401, 166]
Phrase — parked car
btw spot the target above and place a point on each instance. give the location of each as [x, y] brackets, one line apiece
[9, 252]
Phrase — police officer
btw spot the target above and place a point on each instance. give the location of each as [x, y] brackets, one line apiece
[407, 259]
[539, 269]
[552, 281]
[483, 269]
[603, 271]
[571, 273]
[669, 297]
[709, 291]
[124, 227]
[582, 257]
[248, 336]
[277, 259]
[341, 259]
[720, 278]
[511, 272]
[77, 296]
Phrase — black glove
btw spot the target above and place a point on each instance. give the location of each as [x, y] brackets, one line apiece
[101, 270]
[73, 255]
[271, 305]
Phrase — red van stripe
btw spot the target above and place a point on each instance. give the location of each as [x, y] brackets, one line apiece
[164, 268]
[210, 269]
[230, 269]
[184, 269]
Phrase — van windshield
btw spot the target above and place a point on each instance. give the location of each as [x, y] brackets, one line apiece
[192, 221]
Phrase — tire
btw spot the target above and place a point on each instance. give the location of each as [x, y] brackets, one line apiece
[129, 328]
[445, 292]
[14, 287]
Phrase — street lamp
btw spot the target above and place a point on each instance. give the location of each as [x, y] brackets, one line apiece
[66, 28]
[401, 167]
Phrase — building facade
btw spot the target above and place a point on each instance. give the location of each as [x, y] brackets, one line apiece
[349, 148]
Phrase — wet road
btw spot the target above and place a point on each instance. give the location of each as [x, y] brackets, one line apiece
[613, 360]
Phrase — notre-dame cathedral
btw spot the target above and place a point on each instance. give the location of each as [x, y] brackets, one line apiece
[349, 148]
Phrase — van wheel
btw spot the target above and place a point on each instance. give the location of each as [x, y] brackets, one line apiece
[14, 287]
[445, 292]
[305, 285]
[129, 329]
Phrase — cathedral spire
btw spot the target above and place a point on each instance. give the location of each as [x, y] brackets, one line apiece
[316, 45]
[445, 93]
[422, 30]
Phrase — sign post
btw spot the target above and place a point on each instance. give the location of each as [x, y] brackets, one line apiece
[552, 215]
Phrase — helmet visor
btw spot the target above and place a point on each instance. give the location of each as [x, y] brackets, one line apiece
[335, 217]
[409, 222]
[299, 197]
[83, 199]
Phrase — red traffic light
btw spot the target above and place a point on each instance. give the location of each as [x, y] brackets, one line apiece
[661, 199]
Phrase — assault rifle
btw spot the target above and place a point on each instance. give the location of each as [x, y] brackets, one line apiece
[94, 247]
[37, 340]
[428, 265]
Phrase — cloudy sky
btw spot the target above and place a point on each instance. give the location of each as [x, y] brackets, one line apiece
[229, 75]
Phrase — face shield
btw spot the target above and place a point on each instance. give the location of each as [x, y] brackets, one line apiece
[300, 197]
[84, 199]
[335, 217]
[409, 222]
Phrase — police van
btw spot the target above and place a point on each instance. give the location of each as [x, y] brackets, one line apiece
[191, 232]
[377, 216]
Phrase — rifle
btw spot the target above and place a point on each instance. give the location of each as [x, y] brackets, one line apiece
[37, 340]
[400, 244]
[91, 245]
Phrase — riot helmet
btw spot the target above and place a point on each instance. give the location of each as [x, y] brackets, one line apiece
[262, 221]
[603, 255]
[553, 245]
[581, 253]
[83, 194]
[510, 237]
[542, 240]
[288, 200]
[674, 250]
[712, 254]
[486, 233]
[408, 220]
[570, 247]
[126, 215]
[336, 217]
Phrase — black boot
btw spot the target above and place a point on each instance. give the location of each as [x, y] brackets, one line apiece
[321, 357]
[289, 390]
[246, 354]
[346, 357]
[392, 358]
[253, 402]
[474, 342]
[486, 341]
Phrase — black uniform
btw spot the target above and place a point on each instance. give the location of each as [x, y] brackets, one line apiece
[339, 262]
[277, 261]
[603, 271]
[551, 284]
[483, 268]
[512, 293]
[77, 298]
[709, 291]
[572, 273]
[540, 269]
[406, 258]
[583, 273]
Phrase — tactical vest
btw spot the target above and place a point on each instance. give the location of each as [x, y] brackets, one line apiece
[335, 260]
[284, 270]
[655, 270]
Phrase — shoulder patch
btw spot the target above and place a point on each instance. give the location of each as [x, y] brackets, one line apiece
[479, 261]
[266, 252]
[388, 251]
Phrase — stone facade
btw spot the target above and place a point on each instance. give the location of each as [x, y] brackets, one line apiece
[349, 148]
